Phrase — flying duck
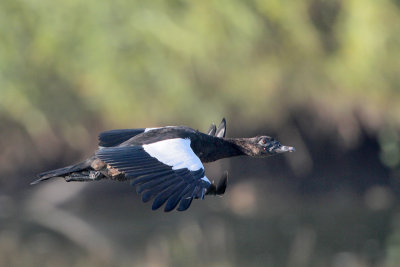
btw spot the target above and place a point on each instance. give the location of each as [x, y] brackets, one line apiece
[165, 163]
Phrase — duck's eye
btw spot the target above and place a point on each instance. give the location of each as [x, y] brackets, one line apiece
[263, 142]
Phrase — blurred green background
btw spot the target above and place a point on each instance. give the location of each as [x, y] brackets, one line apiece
[320, 75]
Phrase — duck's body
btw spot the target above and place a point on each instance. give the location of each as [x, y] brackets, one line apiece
[166, 162]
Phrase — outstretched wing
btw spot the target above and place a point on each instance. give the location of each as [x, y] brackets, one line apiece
[167, 170]
[116, 137]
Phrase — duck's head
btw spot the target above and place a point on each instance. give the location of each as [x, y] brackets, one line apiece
[264, 146]
[270, 146]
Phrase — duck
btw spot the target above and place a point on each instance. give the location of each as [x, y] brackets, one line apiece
[165, 163]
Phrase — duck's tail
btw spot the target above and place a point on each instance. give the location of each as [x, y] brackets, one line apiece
[63, 172]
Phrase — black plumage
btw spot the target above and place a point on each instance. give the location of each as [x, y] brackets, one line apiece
[116, 137]
[165, 163]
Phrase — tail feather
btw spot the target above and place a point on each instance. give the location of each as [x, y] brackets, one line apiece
[53, 173]
[62, 172]
[39, 180]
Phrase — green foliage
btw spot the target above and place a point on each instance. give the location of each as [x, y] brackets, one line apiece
[135, 62]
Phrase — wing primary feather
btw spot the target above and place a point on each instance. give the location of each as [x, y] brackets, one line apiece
[212, 129]
[176, 197]
[190, 176]
[164, 195]
[185, 204]
[121, 161]
[185, 174]
[187, 199]
[203, 193]
[112, 156]
[197, 193]
[145, 171]
[131, 175]
[221, 130]
[146, 178]
[138, 167]
[134, 167]
[135, 154]
[152, 183]
[160, 188]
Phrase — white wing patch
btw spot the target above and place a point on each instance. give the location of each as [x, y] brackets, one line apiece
[176, 153]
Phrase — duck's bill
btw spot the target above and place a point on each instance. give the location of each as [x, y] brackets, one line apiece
[283, 149]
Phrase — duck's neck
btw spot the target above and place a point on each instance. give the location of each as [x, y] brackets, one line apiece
[242, 145]
[219, 148]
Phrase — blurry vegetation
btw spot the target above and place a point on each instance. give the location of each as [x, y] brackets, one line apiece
[131, 62]
[69, 69]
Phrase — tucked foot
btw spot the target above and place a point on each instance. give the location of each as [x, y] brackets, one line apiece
[219, 189]
[222, 184]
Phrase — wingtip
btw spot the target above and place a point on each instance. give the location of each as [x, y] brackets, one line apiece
[223, 122]
[221, 130]
[212, 129]
[185, 204]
